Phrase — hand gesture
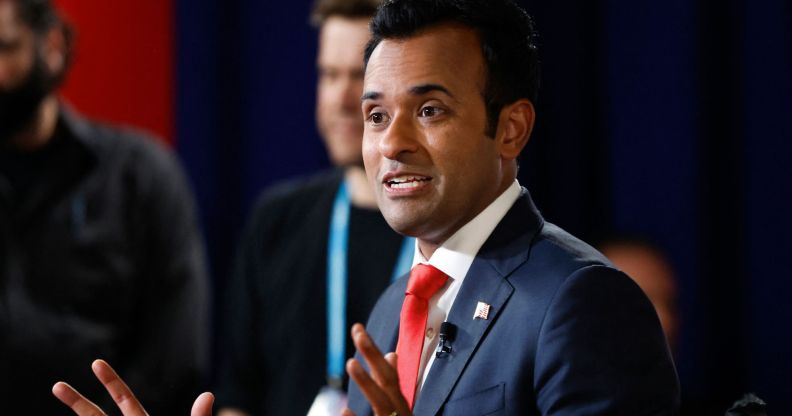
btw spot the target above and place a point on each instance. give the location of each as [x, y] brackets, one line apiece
[120, 393]
[381, 386]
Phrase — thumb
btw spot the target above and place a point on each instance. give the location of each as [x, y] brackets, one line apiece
[203, 405]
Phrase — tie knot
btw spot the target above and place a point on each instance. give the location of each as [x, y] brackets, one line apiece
[425, 280]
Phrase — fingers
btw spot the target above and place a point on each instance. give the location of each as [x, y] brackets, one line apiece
[376, 396]
[392, 360]
[394, 392]
[76, 401]
[381, 387]
[118, 390]
[347, 412]
[381, 370]
[203, 405]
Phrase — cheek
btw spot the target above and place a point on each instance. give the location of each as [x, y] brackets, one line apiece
[357, 90]
[369, 149]
[326, 93]
[321, 99]
[466, 164]
[12, 70]
[456, 151]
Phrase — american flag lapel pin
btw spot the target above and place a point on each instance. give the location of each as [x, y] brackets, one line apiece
[482, 310]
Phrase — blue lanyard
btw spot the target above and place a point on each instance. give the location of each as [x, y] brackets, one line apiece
[337, 281]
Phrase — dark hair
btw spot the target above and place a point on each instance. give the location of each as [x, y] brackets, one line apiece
[41, 16]
[324, 9]
[508, 42]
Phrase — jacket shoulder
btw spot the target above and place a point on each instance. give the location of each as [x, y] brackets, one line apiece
[122, 147]
[561, 253]
[296, 197]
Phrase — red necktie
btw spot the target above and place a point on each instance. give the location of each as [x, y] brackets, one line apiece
[424, 281]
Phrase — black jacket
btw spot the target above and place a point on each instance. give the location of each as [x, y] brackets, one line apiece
[275, 341]
[101, 258]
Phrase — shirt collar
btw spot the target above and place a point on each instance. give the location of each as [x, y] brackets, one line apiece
[456, 254]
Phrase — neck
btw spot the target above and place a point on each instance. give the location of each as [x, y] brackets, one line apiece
[41, 128]
[427, 248]
[429, 244]
[360, 192]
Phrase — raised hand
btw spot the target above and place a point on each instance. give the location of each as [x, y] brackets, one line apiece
[381, 385]
[121, 394]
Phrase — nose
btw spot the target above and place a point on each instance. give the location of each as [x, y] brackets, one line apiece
[399, 139]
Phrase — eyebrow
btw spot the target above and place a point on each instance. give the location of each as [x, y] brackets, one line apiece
[370, 95]
[427, 88]
[10, 44]
[416, 90]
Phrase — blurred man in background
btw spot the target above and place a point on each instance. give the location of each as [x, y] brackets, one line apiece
[316, 254]
[652, 271]
[100, 255]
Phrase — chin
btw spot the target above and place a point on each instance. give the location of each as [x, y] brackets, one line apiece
[398, 223]
[410, 225]
[347, 162]
[344, 157]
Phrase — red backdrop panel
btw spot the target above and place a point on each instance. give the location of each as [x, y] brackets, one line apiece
[123, 67]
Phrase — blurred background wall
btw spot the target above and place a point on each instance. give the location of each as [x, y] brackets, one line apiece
[668, 119]
[124, 64]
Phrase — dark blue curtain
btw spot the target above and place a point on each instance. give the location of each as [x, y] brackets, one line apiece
[668, 120]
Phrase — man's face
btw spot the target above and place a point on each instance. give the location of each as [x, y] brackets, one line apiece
[24, 80]
[424, 143]
[654, 274]
[17, 51]
[340, 64]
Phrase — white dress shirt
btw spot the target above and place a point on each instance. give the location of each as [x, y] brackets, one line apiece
[454, 258]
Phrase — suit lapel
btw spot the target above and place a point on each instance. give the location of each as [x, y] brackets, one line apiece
[506, 249]
[385, 330]
[481, 284]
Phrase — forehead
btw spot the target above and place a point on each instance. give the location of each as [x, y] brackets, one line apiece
[342, 39]
[9, 21]
[448, 55]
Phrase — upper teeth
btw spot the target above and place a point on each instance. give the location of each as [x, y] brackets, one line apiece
[402, 179]
[406, 181]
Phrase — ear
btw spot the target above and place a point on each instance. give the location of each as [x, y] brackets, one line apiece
[54, 50]
[515, 124]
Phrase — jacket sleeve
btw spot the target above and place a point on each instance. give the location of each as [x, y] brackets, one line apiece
[168, 348]
[601, 350]
[241, 379]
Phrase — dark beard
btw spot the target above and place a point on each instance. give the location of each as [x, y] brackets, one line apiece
[18, 105]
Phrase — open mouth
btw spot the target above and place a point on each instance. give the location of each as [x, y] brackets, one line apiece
[406, 182]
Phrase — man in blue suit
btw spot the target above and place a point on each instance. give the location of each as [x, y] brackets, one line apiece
[543, 323]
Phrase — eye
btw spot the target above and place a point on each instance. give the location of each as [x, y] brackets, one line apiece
[429, 111]
[325, 72]
[377, 118]
[10, 46]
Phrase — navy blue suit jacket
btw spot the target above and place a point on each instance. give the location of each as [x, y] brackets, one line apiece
[567, 334]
